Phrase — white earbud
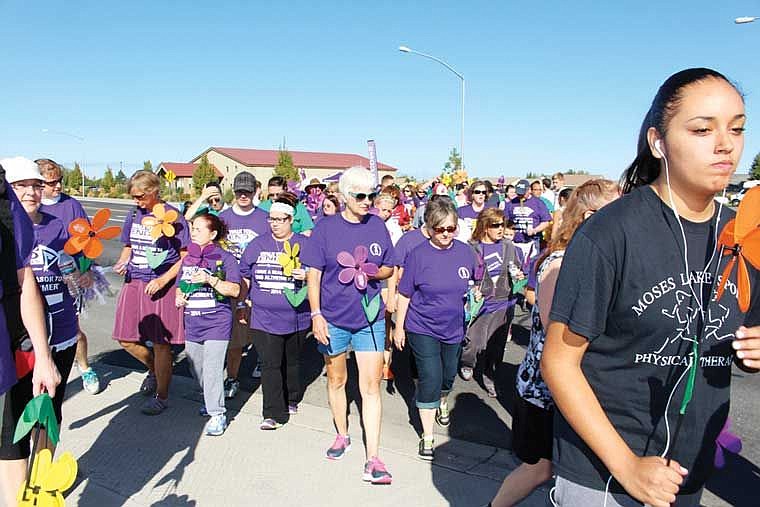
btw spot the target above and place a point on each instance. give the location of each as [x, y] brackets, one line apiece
[658, 147]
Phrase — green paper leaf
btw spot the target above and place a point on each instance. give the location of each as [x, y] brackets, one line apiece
[38, 410]
[155, 259]
[689, 391]
[188, 288]
[519, 285]
[84, 264]
[371, 308]
[475, 306]
[296, 298]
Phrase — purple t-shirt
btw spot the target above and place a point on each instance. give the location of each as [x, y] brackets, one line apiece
[408, 242]
[242, 229]
[138, 236]
[436, 282]
[51, 236]
[23, 232]
[341, 303]
[206, 317]
[66, 210]
[271, 310]
[531, 212]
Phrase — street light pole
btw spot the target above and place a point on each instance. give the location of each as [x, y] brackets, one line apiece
[745, 19]
[405, 49]
[78, 138]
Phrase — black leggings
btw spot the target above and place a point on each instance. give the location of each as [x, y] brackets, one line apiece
[280, 356]
[21, 394]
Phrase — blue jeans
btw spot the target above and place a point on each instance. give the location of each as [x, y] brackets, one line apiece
[437, 367]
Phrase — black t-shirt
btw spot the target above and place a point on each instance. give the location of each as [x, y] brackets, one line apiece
[623, 286]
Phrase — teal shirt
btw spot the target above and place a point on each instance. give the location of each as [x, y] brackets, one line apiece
[301, 220]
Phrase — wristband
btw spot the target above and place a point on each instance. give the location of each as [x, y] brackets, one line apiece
[315, 313]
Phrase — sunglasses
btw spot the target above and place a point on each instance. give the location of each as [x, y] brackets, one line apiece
[214, 199]
[479, 192]
[53, 183]
[496, 225]
[360, 196]
[277, 220]
[138, 197]
[440, 230]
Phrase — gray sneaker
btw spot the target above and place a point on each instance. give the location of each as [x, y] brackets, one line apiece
[231, 388]
[154, 406]
[149, 385]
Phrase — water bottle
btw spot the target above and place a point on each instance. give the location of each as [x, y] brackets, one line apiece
[68, 267]
[468, 301]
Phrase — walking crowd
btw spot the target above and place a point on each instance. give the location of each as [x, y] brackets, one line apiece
[623, 283]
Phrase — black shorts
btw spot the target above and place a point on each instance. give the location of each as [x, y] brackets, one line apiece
[17, 398]
[532, 431]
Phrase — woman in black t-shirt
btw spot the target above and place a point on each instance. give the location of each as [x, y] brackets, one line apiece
[635, 311]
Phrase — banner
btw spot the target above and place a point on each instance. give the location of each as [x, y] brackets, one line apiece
[373, 161]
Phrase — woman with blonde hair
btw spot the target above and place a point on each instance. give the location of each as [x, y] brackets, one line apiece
[150, 262]
[533, 416]
[488, 331]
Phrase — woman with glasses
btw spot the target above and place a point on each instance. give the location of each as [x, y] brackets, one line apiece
[269, 268]
[348, 256]
[145, 311]
[66, 209]
[477, 195]
[302, 222]
[430, 313]
[498, 262]
[33, 242]
[210, 201]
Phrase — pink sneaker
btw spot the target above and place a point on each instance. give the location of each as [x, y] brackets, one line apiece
[339, 448]
[376, 473]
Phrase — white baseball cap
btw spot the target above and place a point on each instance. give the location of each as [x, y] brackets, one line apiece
[19, 169]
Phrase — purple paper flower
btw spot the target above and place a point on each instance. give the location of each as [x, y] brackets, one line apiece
[205, 258]
[726, 441]
[356, 268]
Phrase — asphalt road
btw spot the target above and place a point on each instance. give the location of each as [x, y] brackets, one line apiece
[480, 419]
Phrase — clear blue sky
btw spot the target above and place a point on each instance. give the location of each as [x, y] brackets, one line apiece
[550, 85]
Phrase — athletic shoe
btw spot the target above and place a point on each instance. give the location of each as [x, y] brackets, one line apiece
[490, 386]
[257, 371]
[376, 473]
[269, 424]
[216, 425]
[465, 372]
[202, 411]
[442, 415]
[425, 451]
[90, 381]
[339, 448]
[154, 405]
[231, 388]
[149, 385]
[292, 408]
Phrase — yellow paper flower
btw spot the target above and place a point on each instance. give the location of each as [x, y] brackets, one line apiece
[48, 480]
[289, 258]
[161, 221]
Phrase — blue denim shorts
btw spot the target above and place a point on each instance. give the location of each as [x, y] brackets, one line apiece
[361, 340]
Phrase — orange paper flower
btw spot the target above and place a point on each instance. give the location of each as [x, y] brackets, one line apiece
[740, 238]
[161, 221]
[85, 237]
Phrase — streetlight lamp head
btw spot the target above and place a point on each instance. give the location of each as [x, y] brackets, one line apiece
[404, 49]
[745, 19]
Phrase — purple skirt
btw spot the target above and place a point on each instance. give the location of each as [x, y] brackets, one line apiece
[140, 317]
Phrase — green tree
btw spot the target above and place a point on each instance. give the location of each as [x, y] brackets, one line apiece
[754, 172]
[576, 171]
[148, 166]
[203, 174]
[285, 167]
[121, 177]
[108, 180]
[74, 179]
[454, 163]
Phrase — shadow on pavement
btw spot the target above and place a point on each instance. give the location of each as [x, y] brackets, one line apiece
[737, 483]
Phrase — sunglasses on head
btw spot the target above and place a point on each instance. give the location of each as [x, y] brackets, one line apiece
[440, 230]
[496, 225]
[360, 196]
[479, 192]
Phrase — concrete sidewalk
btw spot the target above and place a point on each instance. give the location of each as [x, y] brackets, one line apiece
[126, 458]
